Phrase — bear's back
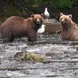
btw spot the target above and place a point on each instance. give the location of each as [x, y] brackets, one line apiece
[15, 22]
[12, 20]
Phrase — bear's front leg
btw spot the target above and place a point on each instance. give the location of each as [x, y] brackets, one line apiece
[8, 39]
[5, 40]
[32, 35]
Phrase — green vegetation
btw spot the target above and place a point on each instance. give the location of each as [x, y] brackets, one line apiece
[28, 56]
[27, 7]
[33, 57]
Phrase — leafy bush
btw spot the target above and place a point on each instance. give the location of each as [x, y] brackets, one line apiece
[59, 3]
[20, 7]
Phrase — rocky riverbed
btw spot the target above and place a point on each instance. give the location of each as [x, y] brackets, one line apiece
[61, 58]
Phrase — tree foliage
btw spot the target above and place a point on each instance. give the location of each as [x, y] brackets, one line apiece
[19, 7]
[60, 3]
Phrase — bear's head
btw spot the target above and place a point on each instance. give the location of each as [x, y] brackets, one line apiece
[65, 20]
[37, 19]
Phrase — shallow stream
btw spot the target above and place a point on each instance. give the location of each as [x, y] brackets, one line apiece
[61, 56]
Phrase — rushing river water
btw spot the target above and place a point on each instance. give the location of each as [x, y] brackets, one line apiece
[62, 58]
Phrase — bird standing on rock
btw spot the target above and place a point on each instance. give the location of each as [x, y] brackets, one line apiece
[46, 13]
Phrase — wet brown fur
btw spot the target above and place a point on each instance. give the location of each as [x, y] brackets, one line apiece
[16, 26]
[69, 29]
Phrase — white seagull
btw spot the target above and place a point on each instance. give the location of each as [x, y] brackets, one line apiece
[46, 13]
[41, 29]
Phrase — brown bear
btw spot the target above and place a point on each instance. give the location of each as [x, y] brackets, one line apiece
[69, 29]
[16, 26]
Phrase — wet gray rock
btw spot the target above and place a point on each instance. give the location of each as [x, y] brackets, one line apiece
[52, 26]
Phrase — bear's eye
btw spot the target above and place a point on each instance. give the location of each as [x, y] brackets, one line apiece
[65, 19]
[35, 19]
[41, 19]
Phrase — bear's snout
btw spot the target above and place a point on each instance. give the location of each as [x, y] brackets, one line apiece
[38, 21]
[62, 21]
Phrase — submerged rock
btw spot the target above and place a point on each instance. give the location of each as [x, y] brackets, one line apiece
[19, 55]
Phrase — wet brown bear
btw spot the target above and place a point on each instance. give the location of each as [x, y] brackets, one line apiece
[16, 26]
[69, 29]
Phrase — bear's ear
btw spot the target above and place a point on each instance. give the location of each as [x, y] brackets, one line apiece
[42, 15]
[70, 16]
[61, 14]
[32, 15]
